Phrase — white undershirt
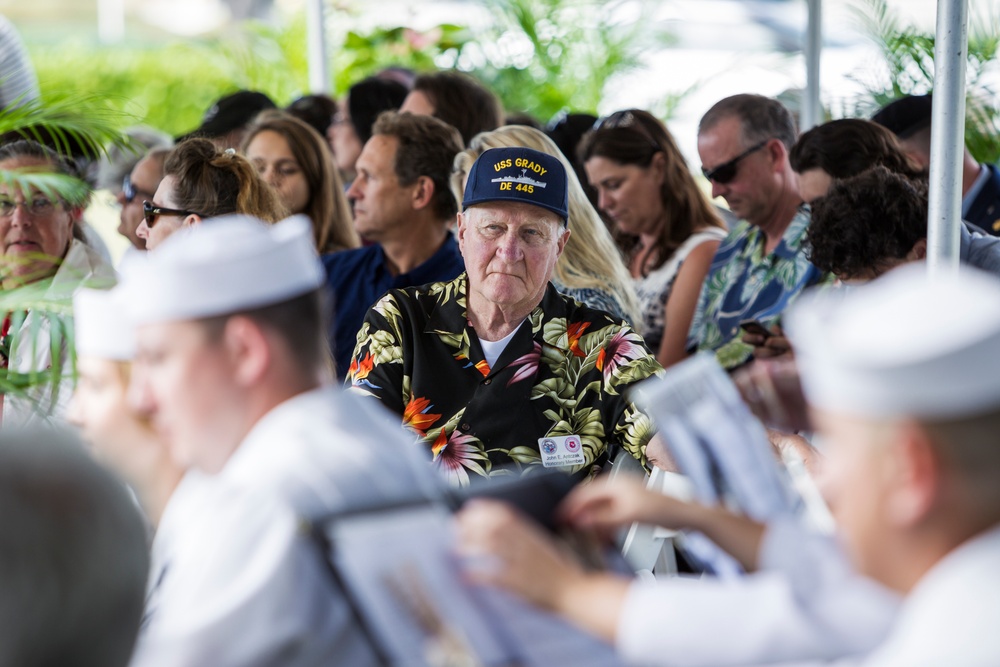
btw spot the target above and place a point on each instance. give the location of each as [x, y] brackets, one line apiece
[492, 349]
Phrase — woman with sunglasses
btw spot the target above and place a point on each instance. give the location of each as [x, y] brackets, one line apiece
[668, 229]
[199, 182]
[296, 161]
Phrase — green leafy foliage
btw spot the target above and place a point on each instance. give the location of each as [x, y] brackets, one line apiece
[541, 57]
[908, 55]
[546, 56]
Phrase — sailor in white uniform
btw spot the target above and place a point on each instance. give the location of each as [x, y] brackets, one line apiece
[904, 381]
[232, 370]
[903, 377]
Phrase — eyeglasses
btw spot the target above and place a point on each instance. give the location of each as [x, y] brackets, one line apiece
[150, 212]
[36, 207]
[130, 191]
[726, 171]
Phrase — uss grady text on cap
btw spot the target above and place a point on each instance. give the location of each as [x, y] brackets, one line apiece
[518, 175]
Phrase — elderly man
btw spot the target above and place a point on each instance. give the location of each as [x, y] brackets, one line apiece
[902, 381]
[233, 373]
[761, 266]
[495, 369]
[39, 249]
[403, 204]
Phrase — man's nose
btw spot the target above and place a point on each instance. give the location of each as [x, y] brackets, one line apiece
[509, 248]
[139, 396]
[353, 192]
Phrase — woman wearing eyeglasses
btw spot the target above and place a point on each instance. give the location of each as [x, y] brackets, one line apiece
[296, 161]
[39, 249]
[200, 182]
[669, 230]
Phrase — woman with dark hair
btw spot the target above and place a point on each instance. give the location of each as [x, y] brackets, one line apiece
[457, 99]
[200, 181]
[352, 125]
[297, 163]
[669, 230]
[316, 111]
[844, 148]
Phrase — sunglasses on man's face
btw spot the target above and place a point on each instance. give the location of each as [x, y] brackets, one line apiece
[726, 171]
[130, 191]
[150, 212]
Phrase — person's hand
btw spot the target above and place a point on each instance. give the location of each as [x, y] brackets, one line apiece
[783, 442]
[604, 506]
[769, 347]
[771, 389]
[503, 548]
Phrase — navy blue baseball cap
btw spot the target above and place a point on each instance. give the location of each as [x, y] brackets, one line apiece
[518, 175]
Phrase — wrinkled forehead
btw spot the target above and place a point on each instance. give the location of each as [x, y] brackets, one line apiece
[27, 163]
[513, 213]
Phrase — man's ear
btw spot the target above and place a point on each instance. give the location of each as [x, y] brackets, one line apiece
[191, 220]
[918, 251]
[564, 233]
[915, 473]
[463, 225]
[423, 193]
[778, 154]
[247, 348]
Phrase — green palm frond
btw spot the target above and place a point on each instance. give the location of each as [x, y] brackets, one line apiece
[90, 122]
[907, 54]
[54, 186]
[35, 296]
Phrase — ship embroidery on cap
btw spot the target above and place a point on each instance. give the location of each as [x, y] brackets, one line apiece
[523, 178]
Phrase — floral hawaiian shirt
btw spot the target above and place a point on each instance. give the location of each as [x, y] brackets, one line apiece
[743, 284]
[564, 372]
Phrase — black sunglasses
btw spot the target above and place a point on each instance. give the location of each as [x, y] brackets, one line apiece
[726, 171]
[151, 212]
[130, 191]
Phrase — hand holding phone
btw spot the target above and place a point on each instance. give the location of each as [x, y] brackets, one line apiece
[755, 328]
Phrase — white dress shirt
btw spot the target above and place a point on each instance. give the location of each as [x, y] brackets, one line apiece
[242, 583]
[804, 604]
[31, 349]
[952, 616]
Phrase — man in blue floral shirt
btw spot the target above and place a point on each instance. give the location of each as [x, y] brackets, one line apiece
[495, 371]
[761, 267]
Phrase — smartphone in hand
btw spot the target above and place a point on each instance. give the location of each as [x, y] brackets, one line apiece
[756, 328]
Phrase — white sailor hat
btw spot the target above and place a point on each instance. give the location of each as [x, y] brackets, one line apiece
[907, 344]
[224, 265]
[101, 327]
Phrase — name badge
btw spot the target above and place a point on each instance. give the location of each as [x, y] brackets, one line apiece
[561, 450]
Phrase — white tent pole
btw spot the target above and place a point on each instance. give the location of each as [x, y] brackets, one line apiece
[110, 21]
[812, 109]
[319, 66]
[944, 213]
